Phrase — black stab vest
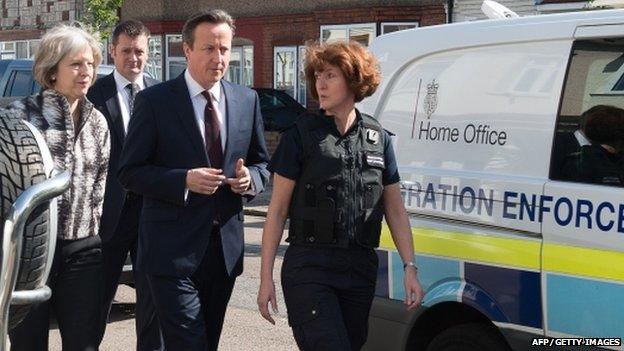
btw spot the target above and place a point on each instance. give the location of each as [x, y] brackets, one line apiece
[338, 196]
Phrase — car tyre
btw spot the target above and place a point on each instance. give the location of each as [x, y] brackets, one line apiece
[469, 337]
[21, 165]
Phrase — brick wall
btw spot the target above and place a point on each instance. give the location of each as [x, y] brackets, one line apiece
[270, 31]
[36, 14]
[266, 32]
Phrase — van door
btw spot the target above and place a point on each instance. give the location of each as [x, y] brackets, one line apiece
[583, 222]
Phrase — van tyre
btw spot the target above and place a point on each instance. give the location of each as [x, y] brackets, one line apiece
[469, 337]
[21, 166]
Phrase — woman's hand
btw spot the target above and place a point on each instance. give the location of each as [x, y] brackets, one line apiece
[413, 292]
[266, 295]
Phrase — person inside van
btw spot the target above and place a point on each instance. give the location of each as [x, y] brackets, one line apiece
[335, 176]
[602, 161]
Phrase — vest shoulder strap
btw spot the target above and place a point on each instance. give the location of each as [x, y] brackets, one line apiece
[370, 122]
[306, 123]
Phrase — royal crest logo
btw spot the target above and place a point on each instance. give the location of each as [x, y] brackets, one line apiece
[431, 100]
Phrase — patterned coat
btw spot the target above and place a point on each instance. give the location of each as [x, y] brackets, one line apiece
[84, 152]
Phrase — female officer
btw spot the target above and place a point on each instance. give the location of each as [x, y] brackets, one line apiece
[335, 177]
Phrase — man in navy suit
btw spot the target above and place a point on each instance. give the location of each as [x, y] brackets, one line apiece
[114, 96]
[195, 147]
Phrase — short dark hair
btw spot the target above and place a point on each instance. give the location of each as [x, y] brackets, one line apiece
[131, 28]
[359, 67]
[214, 16]
[604, 124]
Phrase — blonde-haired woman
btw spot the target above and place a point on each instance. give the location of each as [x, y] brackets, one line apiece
[335, 176]
[78, 137]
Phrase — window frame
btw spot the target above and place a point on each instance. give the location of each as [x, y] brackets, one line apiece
[347, 28]
[156, 61]
[11, 54]
[383, 24]
[300, 95]
[242, 50]
[170, 59]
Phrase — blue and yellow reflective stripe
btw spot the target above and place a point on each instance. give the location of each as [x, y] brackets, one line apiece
[588, 262]
[510, 252]
[500, 251]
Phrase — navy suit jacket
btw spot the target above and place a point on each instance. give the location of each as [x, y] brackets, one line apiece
[163, 143]
[103, 95]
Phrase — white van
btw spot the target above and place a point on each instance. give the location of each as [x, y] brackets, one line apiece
[513, 253]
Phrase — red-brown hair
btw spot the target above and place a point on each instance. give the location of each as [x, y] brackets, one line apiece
[358, 65]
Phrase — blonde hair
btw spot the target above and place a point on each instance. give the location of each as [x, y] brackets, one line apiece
[55, 45]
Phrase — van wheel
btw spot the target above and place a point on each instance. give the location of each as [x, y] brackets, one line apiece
[21, 166]
[469, 337]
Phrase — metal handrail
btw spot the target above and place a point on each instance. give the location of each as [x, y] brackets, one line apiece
[12, 239]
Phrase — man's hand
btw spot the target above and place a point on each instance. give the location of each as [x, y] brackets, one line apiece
[242, 182]
[204, 180]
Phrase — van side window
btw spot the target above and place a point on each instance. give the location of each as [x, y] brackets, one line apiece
[21, 83]
[589, 136]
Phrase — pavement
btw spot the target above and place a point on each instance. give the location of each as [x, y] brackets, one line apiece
[244, 328]
[260, 204]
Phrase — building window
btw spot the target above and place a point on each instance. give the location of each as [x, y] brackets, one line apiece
[240, 70]
[176, 61]
[7, 50]
[288, 71]
[389, 27]
[363, 33]
[23, 49]
[154, 63]
[560, 7]
[33, 45]
[105, 54]
[301, 95]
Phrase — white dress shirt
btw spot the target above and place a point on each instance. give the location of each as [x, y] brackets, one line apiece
[199, 105]
[123, 94]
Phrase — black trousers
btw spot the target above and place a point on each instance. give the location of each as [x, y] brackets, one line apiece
[191, 309]
[114, 254]
[75, 280]
[329, 293]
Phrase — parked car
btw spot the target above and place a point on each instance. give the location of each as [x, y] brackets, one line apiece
[16, 79]
[279, 110]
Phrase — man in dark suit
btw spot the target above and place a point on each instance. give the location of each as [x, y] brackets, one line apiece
[114, 96]
[195, 147]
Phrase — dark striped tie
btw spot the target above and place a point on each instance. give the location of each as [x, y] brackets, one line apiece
[134, 89]
[213, 133]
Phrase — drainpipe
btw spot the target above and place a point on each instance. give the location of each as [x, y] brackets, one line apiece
[449, 10]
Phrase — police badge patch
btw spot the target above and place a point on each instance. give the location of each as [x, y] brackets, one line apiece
[375, 160]
[372, 136]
